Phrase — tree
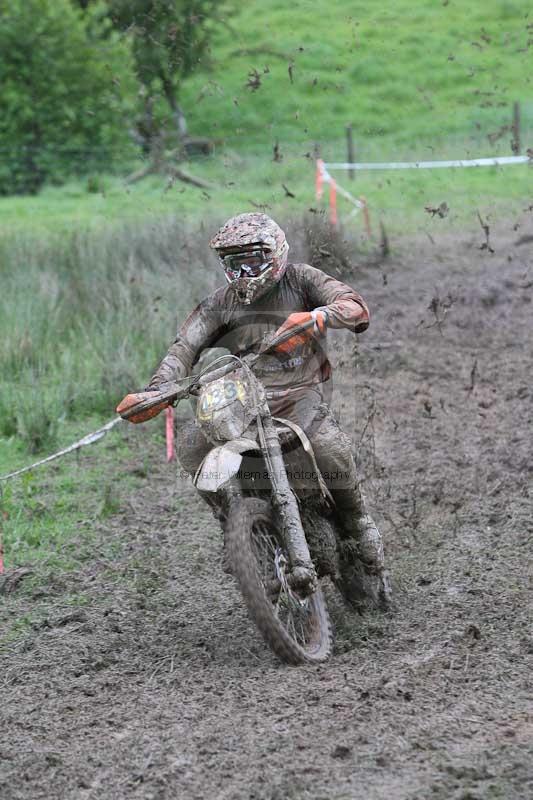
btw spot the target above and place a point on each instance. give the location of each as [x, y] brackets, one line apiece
[66, 93]
[170, 39]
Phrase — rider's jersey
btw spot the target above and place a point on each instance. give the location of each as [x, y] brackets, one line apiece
[221, 321]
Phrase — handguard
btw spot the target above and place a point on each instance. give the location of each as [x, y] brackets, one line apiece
[306, 326]
[131, 400]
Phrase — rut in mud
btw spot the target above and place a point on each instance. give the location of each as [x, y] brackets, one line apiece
[160, 687]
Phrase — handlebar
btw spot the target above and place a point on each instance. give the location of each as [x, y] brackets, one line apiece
[174, 393]
[251, 359]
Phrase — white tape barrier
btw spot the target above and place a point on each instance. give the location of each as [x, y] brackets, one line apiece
[89, 439]
[326, 177]
[322, 177]
[355, 200]
[474, 162]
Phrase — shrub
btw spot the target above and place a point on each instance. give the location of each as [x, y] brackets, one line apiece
[65, 92]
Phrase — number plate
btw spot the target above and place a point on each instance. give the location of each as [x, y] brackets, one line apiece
[220, 394]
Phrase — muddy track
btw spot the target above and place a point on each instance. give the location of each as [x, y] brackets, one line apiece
[159, 687]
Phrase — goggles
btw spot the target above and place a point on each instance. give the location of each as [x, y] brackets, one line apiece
[249, 264]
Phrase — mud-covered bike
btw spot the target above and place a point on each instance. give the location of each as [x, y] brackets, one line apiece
[280, 536]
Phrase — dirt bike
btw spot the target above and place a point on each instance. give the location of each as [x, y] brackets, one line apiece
[280, 539]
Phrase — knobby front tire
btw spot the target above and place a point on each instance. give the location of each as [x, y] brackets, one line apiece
[298, 633]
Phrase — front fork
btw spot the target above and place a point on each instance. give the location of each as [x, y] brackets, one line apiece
[303, 576]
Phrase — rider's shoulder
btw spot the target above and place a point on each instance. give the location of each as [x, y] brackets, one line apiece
[214, 302]
[300, 272]
[219, 296]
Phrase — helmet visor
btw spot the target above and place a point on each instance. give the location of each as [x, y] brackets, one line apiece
[247, 264]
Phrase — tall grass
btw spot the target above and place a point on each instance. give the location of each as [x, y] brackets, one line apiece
[86, 317]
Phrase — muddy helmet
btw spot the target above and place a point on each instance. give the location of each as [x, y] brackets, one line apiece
[252, 250]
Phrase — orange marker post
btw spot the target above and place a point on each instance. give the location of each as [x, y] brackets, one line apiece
[171, 453]
[333, 202]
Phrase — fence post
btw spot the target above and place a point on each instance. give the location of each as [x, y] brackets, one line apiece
[350, 150]
[319, 178]
[515, 144]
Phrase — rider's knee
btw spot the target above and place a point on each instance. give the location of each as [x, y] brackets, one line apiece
[191, 445]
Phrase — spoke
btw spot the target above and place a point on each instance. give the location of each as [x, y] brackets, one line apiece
[264, 548]
[271, 565]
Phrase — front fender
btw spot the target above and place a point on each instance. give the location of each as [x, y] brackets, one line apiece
[222, 463]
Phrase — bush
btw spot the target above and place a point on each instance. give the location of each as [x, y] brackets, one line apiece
[95, 184]
[327, 247]
[66, 90]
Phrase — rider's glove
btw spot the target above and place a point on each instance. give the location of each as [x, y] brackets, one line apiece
[131, 400]
[318, 329]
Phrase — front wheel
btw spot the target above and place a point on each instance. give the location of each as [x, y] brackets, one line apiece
[297, 629]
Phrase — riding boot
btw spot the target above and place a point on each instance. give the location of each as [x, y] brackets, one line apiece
[360, 532]
[370, 547]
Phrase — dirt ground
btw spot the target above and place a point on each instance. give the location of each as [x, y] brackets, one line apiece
[160, 687]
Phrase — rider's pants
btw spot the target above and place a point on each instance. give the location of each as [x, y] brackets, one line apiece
[333, 453]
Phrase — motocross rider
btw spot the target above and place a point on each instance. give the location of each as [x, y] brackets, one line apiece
[266, 294]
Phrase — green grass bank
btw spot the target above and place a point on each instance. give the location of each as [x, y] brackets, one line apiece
[425, 80]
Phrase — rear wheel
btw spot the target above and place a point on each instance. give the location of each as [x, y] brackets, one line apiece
[296, 628]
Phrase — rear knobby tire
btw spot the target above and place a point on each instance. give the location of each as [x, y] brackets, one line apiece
[249, 518]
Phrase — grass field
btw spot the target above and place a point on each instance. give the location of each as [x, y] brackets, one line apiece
[403, 73]
[244, 182]
[416, 81]
[41, 509]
